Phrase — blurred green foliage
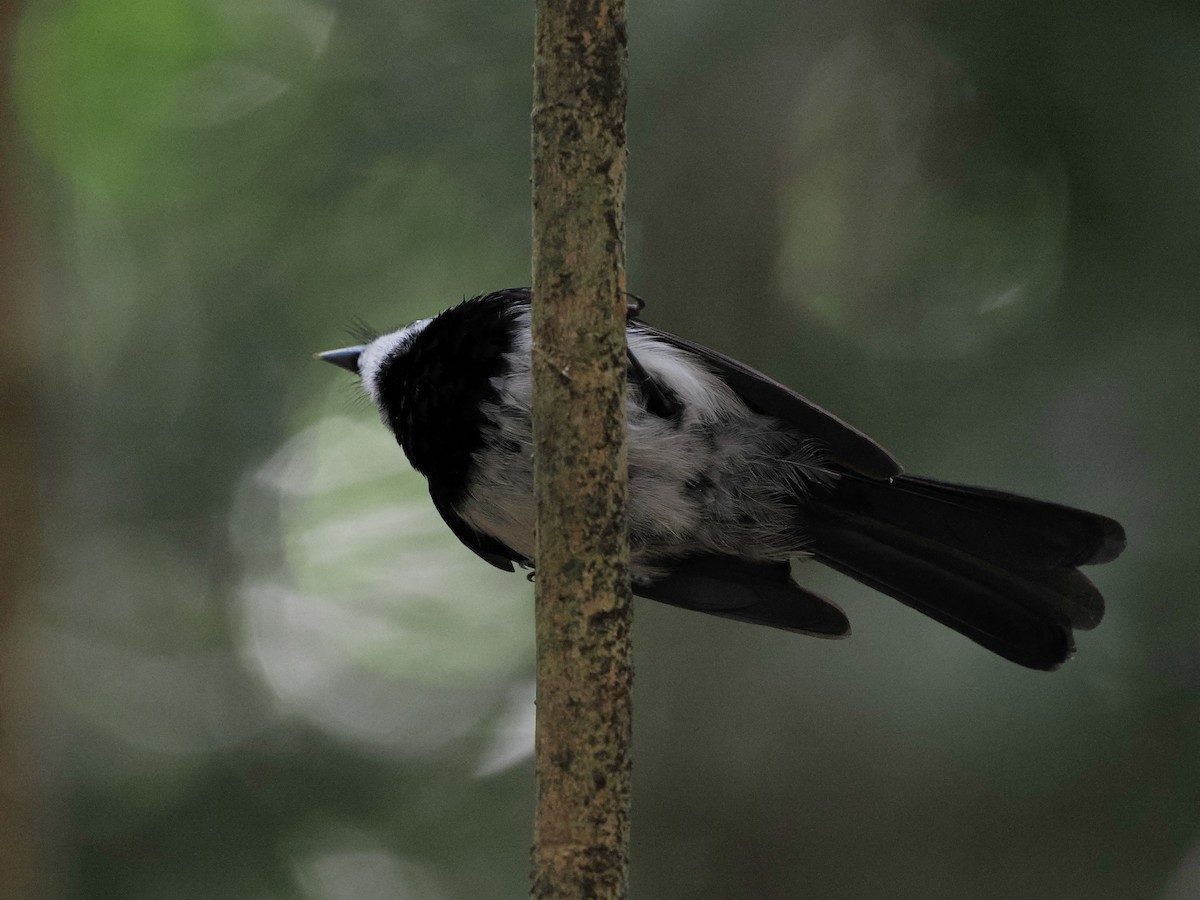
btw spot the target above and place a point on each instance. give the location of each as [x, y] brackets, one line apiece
[260, 666]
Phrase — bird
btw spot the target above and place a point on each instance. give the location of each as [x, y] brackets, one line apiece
[732, 475]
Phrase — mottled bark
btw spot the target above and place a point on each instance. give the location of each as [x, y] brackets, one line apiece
[584, 610]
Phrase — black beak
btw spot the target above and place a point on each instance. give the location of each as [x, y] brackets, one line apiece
[347, 358]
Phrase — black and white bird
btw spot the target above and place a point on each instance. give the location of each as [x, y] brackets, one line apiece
[731, 475]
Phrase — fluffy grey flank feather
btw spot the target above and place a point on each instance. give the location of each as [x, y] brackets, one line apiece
[718, 479]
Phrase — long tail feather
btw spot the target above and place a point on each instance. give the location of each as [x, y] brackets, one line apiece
[1004, 528]
[996, 567]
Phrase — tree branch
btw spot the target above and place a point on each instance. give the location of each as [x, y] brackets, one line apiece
[584, 608]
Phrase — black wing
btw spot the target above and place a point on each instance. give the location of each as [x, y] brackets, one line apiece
[846, 445]
[761, 593]
[483, 546]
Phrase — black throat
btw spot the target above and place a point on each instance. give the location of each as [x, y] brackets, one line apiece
[433, 388]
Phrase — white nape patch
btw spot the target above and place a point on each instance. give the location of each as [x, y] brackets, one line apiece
[383, 348]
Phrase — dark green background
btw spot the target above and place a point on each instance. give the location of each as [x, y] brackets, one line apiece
[260, 668]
